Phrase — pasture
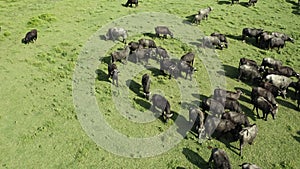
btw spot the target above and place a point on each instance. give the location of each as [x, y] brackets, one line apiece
[39, 125]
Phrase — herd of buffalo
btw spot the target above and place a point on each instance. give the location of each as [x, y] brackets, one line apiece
[270, 79]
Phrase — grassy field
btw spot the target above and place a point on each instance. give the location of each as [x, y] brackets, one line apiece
[39, 126]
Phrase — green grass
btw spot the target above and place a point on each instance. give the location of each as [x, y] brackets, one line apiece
[39, 127]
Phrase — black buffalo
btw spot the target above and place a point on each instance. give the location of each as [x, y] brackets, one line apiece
[146, 85]
[130, 2]
[113, 73]
[30, 36]
[247, 135]
[221, 37]
[163, 104]
[163, 30]
[170, 67]
[147, 43]
[188, 57]
[220, 159]
[252, 32]
[266, 107]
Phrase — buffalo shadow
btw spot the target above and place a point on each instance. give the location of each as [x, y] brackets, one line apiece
[245, 93]
[142, 102]
[230, 71]
[189, 19]
[297, 138]
[296, 7]
[227, 139]
[106, 59]
[102, 76]
[195, 158]
[244, 4]
[150, 35]
[225, 2]
[287, 104]
[102, 37]
[135, 87]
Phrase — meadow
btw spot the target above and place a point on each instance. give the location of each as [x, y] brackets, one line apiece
[39, 122]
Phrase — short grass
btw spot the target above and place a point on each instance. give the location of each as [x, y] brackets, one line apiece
[39, 127]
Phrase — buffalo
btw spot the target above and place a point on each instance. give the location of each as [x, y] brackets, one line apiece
[189, 58]
[277, 43]
[280, 81]
[130, 2]
[273, 89]
[252, 32]
[228, 94]
[147, 43]
[170, 67]
[142, 54]
[286, 71]
[221, 37]
[270, 62]
[163, 30]
[259, 91]
[30, 36]
[245, 61]
[266, 107]
[249, 72]
[252, 2]
[113, 73]
[184, 66]
[239, 119]
[247, 135]
[198, 18]
[212, 41]
[146, 85]
[163, 104]
[115, 33]
[205, 12]
[133, 46]
[249, 166]
[196, 116]
[220, 159]
[120, 55]
[161, 52]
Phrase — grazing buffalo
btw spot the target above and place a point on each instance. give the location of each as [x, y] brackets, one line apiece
[280, 81]
[273, 89]
[146, 85]
[213, 106]
[205, 12]
[277, 43]
[221, 37]
[170, 67]
[249, 72]
[113, 73]
[286, 71]
[296, 86]
[247, 135]
[133, 46]
[224, 127]
[249, 166]
[211, 42]
[184, 66]
[252, 2]
[161, 52]
[252, 32]
[130, 2]
[120, 55]
[227, 94]
[220, 159]
[163, 30]
[115, 33]
[237, 118]
[283, 36]
[259, 91]
[142, 54]
[266, 107]
[30, 36]
[197, 18]
[245, 61]
[233, 105]
[163, 104]
[189, 58]
[270, 62]
[196, 116]
[264, 40]
[147, 43]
